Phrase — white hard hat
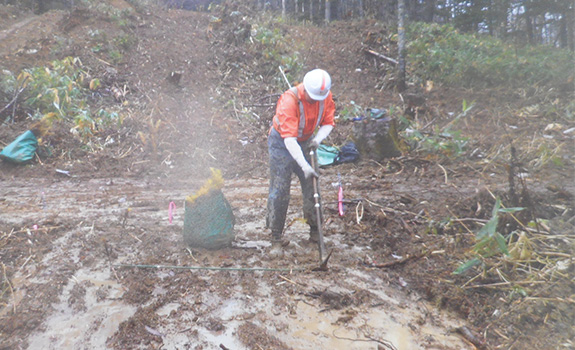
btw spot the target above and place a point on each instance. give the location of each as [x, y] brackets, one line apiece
[317, 84]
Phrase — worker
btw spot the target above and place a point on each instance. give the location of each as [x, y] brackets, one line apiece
[299, 112]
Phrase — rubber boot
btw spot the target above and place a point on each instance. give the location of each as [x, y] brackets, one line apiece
[277, 250]
[277, 247]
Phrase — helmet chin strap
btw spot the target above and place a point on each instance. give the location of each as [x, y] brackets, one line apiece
[308, 97]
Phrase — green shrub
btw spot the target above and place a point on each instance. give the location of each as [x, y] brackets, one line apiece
[277, 51]
[442, 54]
[59, 93]
[446, 142]
[488, 241]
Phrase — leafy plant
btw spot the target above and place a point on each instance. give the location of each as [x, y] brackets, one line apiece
[350, 111]
[489, 241]
[444, 141]
[122, 17]
[114, 48]
[152, 139]
[116, 56]
[439, 227]
[53, 89]
[125, 42]
[277, 51]
[59, 92]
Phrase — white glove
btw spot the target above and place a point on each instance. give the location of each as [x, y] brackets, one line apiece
[308, 171]
[322, 133]
[313, 144]
[297, 154]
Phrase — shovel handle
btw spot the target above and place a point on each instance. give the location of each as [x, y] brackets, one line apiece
[316, 196]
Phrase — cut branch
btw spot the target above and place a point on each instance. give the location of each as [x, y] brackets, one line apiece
[17, 93]
[12, 102]
[399, 262]
[383, 57]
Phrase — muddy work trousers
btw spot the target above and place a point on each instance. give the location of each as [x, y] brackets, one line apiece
[282, 166]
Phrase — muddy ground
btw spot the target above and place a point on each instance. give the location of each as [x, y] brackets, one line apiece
[65, 239]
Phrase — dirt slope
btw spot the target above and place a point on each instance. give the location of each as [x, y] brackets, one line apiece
[63, 238]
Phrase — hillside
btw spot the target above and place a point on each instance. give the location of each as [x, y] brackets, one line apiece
[196, 90]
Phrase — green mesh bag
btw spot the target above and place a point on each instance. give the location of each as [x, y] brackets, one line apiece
[208, 218]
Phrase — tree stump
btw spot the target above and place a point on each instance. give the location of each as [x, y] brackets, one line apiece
[376, 137]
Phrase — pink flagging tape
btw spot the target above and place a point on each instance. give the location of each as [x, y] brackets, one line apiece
[340, 201]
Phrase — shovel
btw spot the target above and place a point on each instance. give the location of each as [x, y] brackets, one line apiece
[321, 245]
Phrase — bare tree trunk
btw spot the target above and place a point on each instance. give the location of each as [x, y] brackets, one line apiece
[490, 17]
[401, 86]
[566, 31]
[327, 11]
[311, 10]
[429, 11]
[388, 11]
[570, 32]
[411, 7]
[284, 8]
[529, 28]
[536, 32]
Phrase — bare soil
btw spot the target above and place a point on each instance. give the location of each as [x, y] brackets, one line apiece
[91, 260]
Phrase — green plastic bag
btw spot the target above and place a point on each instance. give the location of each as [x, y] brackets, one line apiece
[326, 155]
[22, 149]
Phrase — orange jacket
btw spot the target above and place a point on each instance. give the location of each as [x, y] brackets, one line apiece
[288, 121]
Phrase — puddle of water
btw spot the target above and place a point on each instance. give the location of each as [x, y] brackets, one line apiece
[90, 328]
[224, 310]
[167, 309]
[312, 327]
[26, 276]
[227, 338]
[309, 328]
[306, 328]
[253, 244]
[230, 309]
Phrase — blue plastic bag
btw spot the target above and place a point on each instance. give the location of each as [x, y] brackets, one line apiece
[22, 149]
[347, 154]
